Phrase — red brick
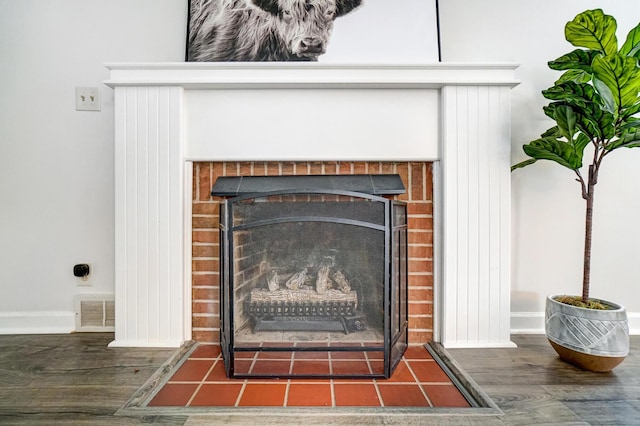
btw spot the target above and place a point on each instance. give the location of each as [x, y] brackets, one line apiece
[203, 222]
[208, 279]
[203, 307]
[198, 293]
[211, 209]
[360, 168]
[420, 308]
[210, 236]
[423, 208]
[419, 280]
[416, 265]
[288, 168]
[420, 337]
[246, 168]
[205, 265]
[204, 251]
[417, 181]
[204, 181]
[206, 336]
[420, 322]
[421, 223]
[423, 295]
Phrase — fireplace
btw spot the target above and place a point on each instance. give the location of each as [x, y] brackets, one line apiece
[312, 266]
[171, 119]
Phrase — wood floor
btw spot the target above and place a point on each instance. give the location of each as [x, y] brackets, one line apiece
[76, 379]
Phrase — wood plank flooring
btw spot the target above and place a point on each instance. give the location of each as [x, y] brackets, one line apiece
[77, 379]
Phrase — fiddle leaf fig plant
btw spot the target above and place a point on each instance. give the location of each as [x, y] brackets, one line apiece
[595, 103]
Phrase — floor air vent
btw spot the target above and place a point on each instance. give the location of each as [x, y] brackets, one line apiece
[95, 313]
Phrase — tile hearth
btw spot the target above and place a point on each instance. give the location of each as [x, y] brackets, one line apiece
[201, 382]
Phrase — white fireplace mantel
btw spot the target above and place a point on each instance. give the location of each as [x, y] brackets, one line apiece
[168, 115]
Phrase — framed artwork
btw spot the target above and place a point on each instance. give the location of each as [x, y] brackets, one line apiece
[330, 31]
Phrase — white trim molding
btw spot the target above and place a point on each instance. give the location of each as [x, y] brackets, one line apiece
[167, 115]
[37, 322]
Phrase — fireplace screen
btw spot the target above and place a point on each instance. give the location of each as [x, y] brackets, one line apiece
[314, 283]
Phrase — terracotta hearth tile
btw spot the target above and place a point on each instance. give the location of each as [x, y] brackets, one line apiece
[309, 367]
[309, 395]
[310, 355]
[271, 367]
[274, 355]
[193, 370]
[400, 395]
[217, 395]
[206, 351]
[417, 353]
[173, 394]
[377, 366]
[242, 366]
[337, 355]
[349, 368]
[445, 396]
[263, 395]
[218, 372]
[245, 355]
[428, 372]
[356, 395]
[402, 374]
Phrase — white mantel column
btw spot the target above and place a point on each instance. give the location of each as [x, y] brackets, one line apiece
[150, 218]
[476, 205]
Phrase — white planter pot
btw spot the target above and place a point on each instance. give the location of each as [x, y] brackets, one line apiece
[595, 340]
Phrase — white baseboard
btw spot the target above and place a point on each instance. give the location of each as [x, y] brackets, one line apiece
[533, 323]
[37, 322]
[146, 344]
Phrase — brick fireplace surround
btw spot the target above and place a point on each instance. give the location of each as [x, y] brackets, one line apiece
[445, 128]
[417, 178]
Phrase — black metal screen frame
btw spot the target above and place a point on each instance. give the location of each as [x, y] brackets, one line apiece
[395, 237]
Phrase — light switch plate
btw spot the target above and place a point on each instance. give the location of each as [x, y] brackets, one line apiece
[87, 99]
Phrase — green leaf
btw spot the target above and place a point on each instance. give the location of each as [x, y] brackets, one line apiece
[630, 139]
[566, 119]
[622, 77]
[523, 164]
[575, 93]
[577, 76]
[630, 111]
[594, 30]
[555, 150]
[631, 46]
[607, 96]
[579, 59]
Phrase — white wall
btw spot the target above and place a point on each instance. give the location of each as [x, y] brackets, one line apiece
[56, 163]
[548, 213]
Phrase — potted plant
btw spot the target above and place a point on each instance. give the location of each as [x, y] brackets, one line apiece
[595, 106]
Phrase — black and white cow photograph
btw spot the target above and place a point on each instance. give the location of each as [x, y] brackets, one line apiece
[303, 30]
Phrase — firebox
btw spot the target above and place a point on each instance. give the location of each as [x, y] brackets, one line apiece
[313, 275]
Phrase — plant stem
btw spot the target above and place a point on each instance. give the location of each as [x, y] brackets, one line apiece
[586, 274]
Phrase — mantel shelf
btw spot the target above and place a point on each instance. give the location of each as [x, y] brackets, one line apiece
[229, 75]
